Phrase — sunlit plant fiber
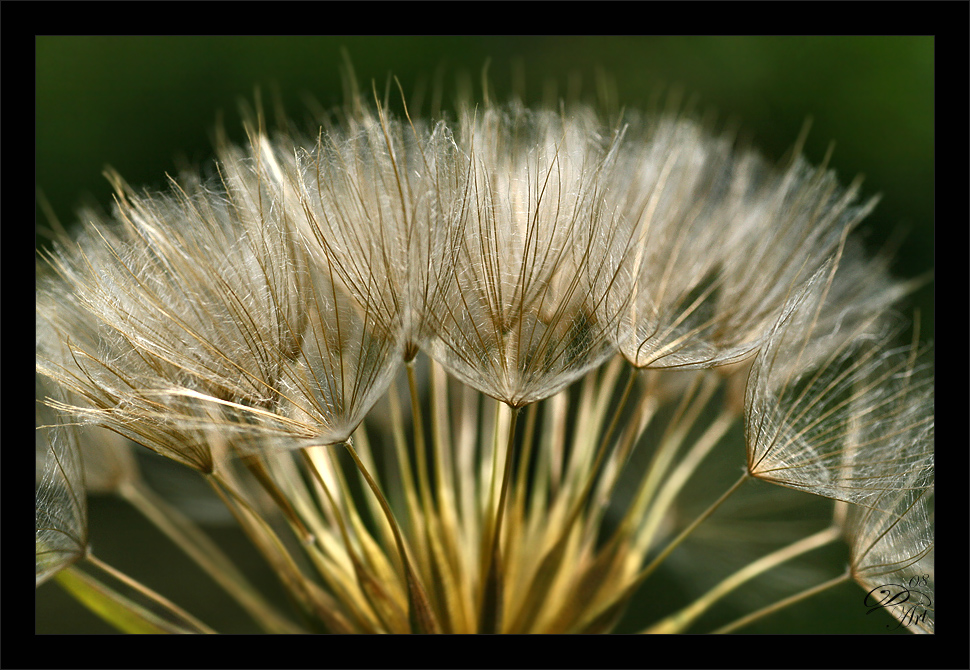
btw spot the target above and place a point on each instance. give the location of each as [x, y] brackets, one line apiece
[481, 373]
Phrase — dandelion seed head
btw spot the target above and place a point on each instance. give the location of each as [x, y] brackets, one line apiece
[61, 535]
[515, 314]
[893, 553]
[832, 410]
[556, 288]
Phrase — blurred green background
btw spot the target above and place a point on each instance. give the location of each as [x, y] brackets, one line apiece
[147, 105]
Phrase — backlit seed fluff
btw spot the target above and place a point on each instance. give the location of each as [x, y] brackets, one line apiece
[61, 503]
[663, 305]
[714, 243]
[831, 409]
[515, 303]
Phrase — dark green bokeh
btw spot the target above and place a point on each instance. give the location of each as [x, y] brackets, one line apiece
[147, 105]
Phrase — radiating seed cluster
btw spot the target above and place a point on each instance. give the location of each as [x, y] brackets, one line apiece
[583, 311]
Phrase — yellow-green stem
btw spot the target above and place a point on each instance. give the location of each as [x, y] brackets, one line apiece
[417, 424]
[313, 600]
[207, 555]
[677, 479]
[549, 565]
[390, 616]
[679, 621]
[610, 610]
[161, 600]
[684, 534]
[781, 604]
[491, 615]
[419, 606]
[117, 610]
